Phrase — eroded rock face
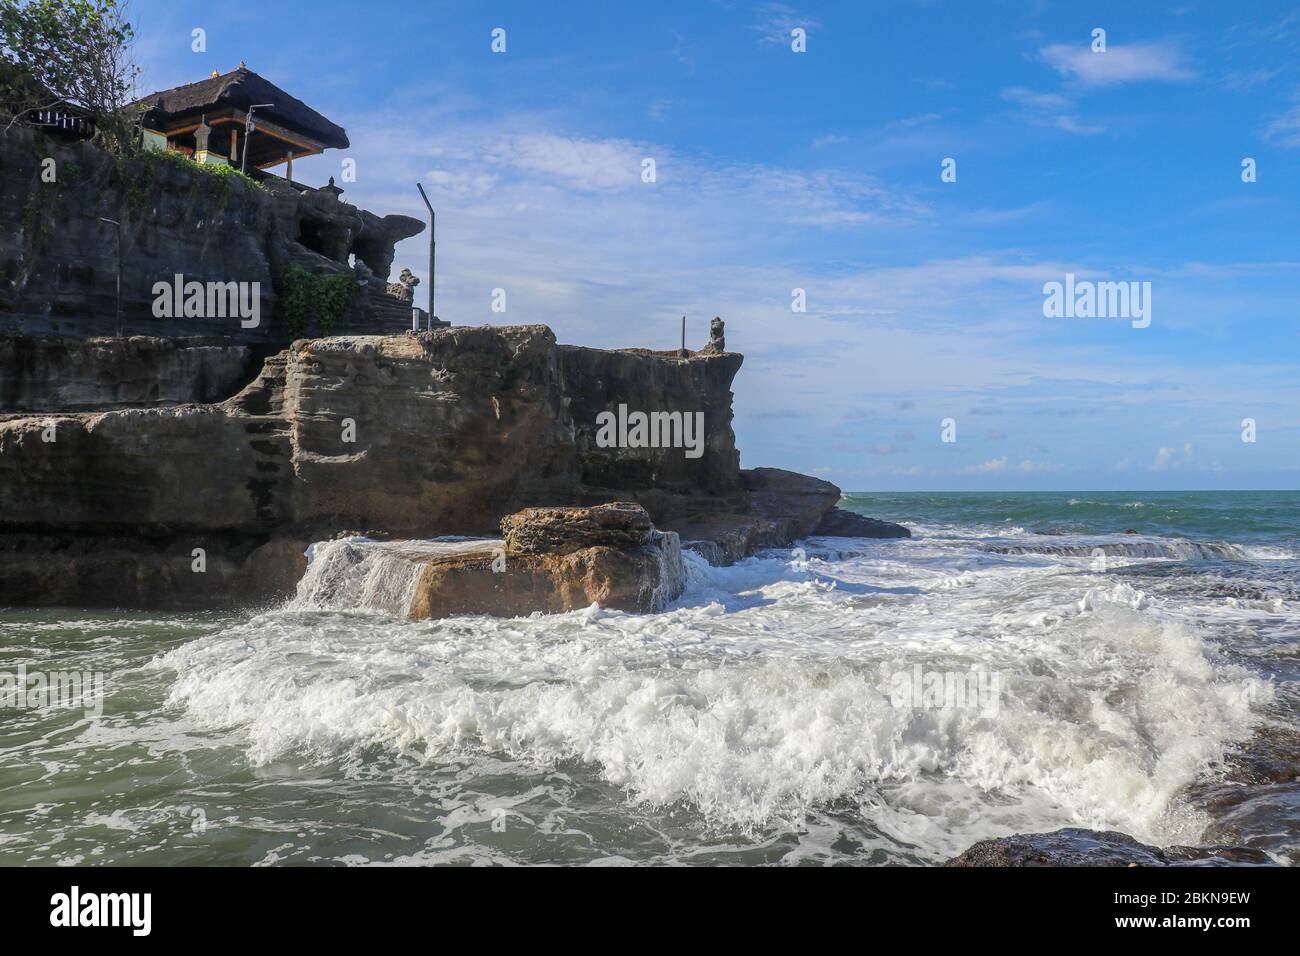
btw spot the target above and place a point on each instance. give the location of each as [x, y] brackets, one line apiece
[70, 374]
[619, 524]
[449, 430]
[670, 485]
[643, 578]
[58, 261]
[1076, 847]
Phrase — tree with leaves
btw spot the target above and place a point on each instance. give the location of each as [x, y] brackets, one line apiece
[74, 52]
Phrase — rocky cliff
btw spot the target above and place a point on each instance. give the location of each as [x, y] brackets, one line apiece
[412, 436]
[58, 260]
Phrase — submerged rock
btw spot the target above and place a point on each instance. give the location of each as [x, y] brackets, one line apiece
[1073, 846]
[838, 523]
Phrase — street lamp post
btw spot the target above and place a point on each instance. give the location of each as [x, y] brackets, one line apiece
[114, 222]
[248, 128]
[433, 244]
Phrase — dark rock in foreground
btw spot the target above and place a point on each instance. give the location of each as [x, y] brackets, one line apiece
[838, 523]
[619, 524]
[783, 507]
[1073, 846]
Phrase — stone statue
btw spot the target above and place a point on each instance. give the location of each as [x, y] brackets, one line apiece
[404, 287]
[717, 338]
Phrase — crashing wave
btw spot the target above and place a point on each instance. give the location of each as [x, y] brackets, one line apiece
[363, 574]
[1178, 550]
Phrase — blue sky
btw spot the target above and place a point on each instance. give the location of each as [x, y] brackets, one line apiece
[778, 170]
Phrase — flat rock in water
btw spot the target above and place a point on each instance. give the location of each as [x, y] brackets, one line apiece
[838, 523]
[1077, 847]
[556, 531]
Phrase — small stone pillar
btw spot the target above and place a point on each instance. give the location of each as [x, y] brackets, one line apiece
[202, 155]
[331, 189]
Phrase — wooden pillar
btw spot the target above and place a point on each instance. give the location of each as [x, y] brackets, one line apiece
[234, 144]
[289, 173]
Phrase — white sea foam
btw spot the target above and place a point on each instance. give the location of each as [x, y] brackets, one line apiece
[359, 573]
[760, 699]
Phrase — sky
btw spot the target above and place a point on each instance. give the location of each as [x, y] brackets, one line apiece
[821, 170]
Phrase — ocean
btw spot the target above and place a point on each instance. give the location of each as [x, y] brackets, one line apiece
[1023, 663]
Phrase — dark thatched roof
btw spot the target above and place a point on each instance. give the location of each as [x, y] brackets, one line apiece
[240, 89]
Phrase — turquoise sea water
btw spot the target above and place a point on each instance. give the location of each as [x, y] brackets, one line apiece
[1146, 683]
[1266, 517]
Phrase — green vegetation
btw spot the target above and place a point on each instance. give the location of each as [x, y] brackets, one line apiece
[304, 296]
[75, 52]
[217, 182]
[213, 185]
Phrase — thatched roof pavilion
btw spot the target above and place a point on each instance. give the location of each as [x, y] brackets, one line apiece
[208, 119]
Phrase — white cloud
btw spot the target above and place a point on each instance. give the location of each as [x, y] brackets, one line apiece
[1285, 129]
[1049, 109]
[991, 467]
[997, 466]
[1045, 102]
[1127, 63]
[1030, 467]
[462, 184]
[1169, 458]
[584, 163]
[776, 21]
[921, 119]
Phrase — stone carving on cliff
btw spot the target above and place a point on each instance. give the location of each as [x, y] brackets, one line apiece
[404, 287]
[717, 337]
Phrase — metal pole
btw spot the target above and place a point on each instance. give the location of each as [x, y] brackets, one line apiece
[433, 245]
[119, 280]
[248, 129]
[683, 333]
[114, 222]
